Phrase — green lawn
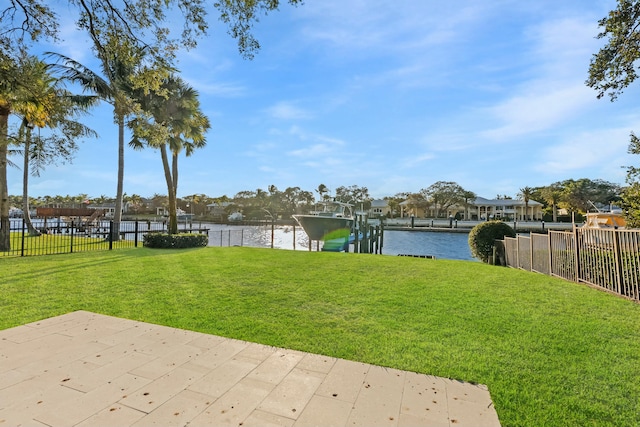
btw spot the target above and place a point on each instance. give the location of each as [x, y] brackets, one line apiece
[553, 353]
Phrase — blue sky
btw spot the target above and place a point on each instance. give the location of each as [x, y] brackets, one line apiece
[392, 96]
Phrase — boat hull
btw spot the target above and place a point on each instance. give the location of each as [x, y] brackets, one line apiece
[319, 227]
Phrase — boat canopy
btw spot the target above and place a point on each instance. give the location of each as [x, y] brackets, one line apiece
[335, 209]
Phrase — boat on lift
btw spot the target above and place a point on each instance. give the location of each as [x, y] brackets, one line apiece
[611, 219]
[334, 221]
[605, 220]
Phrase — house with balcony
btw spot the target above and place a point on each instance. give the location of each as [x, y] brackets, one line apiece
[509, 209]
[479, 209]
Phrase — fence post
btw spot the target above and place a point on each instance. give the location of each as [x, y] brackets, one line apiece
[23, 241]
[273, 229]
[71, 238]
[110, 235]
[549, 247]
[135, 239]
[294, 237]
[618, 260]
[576, 254]
[530, 252]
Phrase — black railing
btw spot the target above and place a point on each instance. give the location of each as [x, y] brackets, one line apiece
[58, 237]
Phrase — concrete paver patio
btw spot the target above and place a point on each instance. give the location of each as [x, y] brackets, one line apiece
[87, 369]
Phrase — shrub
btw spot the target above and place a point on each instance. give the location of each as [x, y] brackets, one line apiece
[483, 235]
[175, 241]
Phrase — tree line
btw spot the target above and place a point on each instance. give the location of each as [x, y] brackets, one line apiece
[574, 196]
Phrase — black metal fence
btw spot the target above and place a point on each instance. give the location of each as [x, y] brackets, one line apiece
[60, 237]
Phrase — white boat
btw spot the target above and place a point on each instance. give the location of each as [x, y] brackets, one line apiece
[235, 217]
[604, 221]
[333, 221]
[183, 216]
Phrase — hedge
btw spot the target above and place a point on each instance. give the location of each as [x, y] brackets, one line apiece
[175, 241]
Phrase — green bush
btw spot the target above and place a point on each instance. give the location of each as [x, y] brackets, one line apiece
[483, 236]
[175, 241]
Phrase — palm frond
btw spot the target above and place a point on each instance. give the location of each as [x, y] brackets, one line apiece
[75, 72]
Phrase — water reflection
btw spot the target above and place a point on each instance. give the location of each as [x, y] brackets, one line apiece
[441, 245]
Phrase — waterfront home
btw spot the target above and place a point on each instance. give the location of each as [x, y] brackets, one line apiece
[379, 207]
[478, 209]
[510, 209]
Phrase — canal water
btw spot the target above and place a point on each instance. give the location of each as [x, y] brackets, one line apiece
[441, 245]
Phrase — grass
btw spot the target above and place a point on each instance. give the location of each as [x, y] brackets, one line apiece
[551, 352]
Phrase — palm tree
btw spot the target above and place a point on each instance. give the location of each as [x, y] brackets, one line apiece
[525, 194]
[53, 107]
[11, 94]
[115, 88]
[27, 96]
[174, 120]
[553, 196]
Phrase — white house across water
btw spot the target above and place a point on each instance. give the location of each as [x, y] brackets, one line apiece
[478, 209]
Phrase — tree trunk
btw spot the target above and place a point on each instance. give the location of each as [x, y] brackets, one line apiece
[174, 173]
[173, 218]
[5, 224]
[26, 216]
[117, 215]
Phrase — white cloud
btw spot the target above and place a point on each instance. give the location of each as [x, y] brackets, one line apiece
[554, 92]
[588, 150]
[287, 111]
[219, 89]
[536, 110]
[73, 42]
[370, 26]
[417, 160]
[562, 48]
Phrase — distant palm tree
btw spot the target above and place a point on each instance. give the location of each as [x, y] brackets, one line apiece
[468, 196]
[552, 195]
[525, 194]
[322, 191]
